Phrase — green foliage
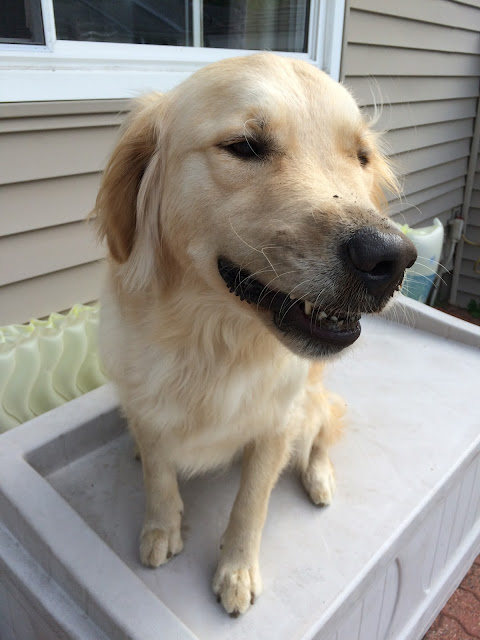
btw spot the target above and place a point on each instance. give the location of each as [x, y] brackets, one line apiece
[473, 308]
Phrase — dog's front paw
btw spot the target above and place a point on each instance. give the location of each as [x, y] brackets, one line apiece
[158, 545]
[236, 586]
[319, 481]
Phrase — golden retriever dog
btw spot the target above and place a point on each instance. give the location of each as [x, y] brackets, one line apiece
[242, 212]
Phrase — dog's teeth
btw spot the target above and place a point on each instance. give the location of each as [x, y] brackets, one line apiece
[334, 318]
[322, 315]
[308, 307]
[292, 297]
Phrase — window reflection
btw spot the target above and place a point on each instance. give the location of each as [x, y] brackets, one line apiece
[277, 25]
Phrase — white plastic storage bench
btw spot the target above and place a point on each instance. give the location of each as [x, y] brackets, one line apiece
[378, 564]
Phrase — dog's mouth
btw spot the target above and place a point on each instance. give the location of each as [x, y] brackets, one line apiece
[298, 318]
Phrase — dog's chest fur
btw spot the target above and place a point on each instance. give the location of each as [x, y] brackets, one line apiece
[208, 398]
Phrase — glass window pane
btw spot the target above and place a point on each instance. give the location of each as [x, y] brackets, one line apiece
[277, 25]
[21, 22]
[165, 22]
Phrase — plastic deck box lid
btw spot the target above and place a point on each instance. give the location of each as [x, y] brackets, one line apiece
[378, 563]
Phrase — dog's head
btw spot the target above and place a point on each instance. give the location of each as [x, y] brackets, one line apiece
[259, 176]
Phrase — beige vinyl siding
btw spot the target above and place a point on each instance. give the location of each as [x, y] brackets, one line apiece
[421, 62]
[469, 284]
[44, 203]
[52, 156]
[56, 291]
[48, 250]
[394, 90]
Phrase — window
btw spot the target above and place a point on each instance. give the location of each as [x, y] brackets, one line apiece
[21, 22]
[279, 25]
[100, 49]
[163, 22]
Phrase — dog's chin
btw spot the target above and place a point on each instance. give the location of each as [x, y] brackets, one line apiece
[304, 329]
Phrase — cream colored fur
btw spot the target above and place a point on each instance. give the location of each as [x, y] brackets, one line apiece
[203, 376]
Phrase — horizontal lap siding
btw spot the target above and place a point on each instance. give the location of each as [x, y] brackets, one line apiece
[57, 291]
[49, 249]
[469, 285]
[52, 156]
[419, 64]
[39, 155]
[36, 204]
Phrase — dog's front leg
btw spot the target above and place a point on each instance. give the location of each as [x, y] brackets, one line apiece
[161, 536]
[237, 580]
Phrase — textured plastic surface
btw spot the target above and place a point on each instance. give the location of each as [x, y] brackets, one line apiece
[378, 564]
[47, 362]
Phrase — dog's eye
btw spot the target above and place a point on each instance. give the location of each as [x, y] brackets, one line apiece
[246, 149]
[363, 158]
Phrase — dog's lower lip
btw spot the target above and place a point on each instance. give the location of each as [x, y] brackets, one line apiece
[288, 315]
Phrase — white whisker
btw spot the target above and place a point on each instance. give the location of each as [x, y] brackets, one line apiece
[262, 251]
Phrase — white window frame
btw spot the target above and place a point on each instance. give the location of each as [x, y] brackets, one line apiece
[67, 70]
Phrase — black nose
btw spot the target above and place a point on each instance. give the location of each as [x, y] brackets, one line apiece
[379, 259]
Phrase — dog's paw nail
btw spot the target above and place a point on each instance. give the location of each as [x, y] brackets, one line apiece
[157, 546]
[237, 587]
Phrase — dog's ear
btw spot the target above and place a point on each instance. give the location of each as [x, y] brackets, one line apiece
[128, 202]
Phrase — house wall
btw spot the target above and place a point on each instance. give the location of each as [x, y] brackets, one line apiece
[52, 155]
[469, 283]
[421, 61]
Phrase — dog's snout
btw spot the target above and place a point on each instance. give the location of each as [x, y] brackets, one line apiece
[379, 259]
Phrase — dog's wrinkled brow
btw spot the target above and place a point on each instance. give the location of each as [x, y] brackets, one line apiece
[255, 123]
[253, 127]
